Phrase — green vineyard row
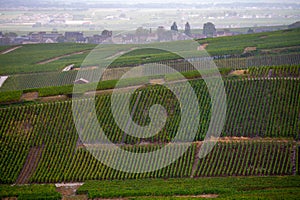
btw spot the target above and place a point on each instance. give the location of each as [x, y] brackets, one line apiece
[255, 108]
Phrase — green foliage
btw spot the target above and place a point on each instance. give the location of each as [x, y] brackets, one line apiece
[237, 44]
[29, 192]
[247, 158]
[228, 187]
[29, 55]
[248, 114]
[10, 96]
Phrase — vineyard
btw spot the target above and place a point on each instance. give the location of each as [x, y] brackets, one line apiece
[264, 66]
[42, 143]
[50, 126]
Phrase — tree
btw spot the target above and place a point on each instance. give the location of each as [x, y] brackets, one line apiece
[209, 29]
[187, 29]
[174, 27]
[106, 33]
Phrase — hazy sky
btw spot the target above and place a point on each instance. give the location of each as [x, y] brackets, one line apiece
[193, 1]
[190, 1]
[167, 1]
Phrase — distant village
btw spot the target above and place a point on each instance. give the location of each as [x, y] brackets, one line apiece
[141, 35]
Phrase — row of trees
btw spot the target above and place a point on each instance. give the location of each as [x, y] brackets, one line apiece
[209, 29]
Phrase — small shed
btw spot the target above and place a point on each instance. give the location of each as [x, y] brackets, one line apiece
[2, 80]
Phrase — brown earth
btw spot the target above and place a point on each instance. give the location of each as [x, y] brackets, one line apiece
[86, 68]
[69, 192]
[118, 54]
[264, 36]
[249, 49]
[10, 50]
[30, 96]
[63, 56]
[199, 196]
[238, 72]
[30, 165]
[53, 98]
[176, 196]
[157, 81]
[202, 47]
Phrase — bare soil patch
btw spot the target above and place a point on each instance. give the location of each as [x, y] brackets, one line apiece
[178, 196]
[68, 191]
[30, 96]
[9, 198]
[202, 47]
[62, 56]
[199, 196]
[114, 73]
[264, 36]
[53, 98]
[118, 54]
[279, 50]
[116, 90]
[238, 72]
[30, 165]
[157, 81]
[249, 49]
[86, 68]
[10, 50]
[75, 197]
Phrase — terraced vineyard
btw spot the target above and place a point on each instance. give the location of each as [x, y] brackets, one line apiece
[51, 126]
[39, 142]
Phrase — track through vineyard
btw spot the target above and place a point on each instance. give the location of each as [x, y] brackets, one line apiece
[30, 165]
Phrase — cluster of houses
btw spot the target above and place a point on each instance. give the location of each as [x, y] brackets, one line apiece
[53, 37]
[104, 37]
[141, 35]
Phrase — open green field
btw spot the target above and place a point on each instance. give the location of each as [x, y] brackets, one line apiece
[26, 58]
[224, 188]
[280, 187]
[29, 192]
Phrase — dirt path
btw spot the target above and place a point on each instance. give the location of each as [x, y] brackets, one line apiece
[118, 54]
[200, 196]
[30, 165]
[10, 50]
[63, 56]
[196, 159]
[53, 98]
[117, 90]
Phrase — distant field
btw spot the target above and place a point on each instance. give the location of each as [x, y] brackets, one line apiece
[29, 55]
[237, 44]
[280, 48]
[25, 59]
